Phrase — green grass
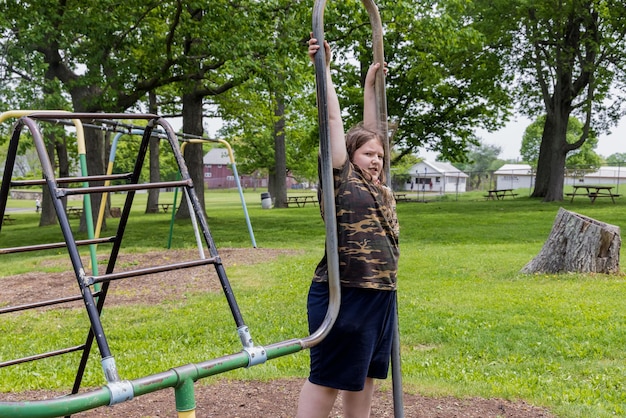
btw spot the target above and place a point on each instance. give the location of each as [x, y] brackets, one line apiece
[471, 325]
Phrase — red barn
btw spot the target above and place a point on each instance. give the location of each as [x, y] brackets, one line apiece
[218, 173]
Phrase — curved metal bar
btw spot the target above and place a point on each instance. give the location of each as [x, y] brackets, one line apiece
[328, 189]
[381, 102]
[80, 137]
[72, 248]
[381, 94]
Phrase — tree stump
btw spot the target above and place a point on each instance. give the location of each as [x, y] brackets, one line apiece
[578, 243]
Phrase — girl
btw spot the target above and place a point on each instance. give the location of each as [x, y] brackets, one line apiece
[358, 348]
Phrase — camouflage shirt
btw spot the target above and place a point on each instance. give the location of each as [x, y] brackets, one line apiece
[367, 231]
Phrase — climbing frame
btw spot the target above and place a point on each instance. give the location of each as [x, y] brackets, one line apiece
[93, 287]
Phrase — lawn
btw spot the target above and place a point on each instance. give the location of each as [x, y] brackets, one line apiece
[470, 324]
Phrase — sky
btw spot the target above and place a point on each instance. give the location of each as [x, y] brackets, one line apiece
[509, 139]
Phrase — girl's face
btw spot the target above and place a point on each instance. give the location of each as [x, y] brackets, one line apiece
[369, 158]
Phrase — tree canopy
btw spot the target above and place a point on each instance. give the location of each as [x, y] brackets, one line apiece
[566, 59]
[583, 157]
[454, 67]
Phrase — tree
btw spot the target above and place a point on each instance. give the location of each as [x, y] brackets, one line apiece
[269, 118]
[441, 84]
[568, 59]
[143, 46]
[480, 160]
[438, 92]
[583, 157]
[619, 158]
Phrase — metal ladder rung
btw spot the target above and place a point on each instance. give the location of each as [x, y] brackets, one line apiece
[123, 187]
[54, 245]
[150, 270]
[44, 303]
[65, 180]
[43, 355]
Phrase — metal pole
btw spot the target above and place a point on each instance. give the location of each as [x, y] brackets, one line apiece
[381, 95]
[326, 177]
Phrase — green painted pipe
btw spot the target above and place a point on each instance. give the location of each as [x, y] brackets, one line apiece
[180, 378]
[185, 396]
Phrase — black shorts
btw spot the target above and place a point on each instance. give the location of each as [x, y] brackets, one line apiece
[359, 344]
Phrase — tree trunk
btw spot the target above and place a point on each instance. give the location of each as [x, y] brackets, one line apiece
[152, 206]
[552, 154]
[192, 124]
[578, 244]
[48, 214]
[558, 132]
[543, 166]
[280, 159]
[94, 144]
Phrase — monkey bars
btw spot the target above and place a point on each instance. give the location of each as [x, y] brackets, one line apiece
[116, 389]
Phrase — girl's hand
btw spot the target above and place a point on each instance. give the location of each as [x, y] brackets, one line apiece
[370, 77]
[314, 47]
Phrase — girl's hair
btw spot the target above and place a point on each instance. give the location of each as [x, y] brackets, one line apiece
[357, 137]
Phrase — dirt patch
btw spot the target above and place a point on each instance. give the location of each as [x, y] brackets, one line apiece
[149, 289]
[279, 398]
[221, 397]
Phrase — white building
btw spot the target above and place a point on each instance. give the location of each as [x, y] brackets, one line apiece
[436, 177]
[604, 175]
[514, 176]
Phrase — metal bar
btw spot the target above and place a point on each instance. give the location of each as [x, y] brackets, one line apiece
[122, 187]
[381, 103]
[54, 245]
[381, 95]
[78, 179]
[42, 304]
[9, 164]
[48, 174]
[199, 213]
[143, 148]
[328, 189]
[172, 378]
[41, 356]
[104, 117]
[151, 270]
[89, 342]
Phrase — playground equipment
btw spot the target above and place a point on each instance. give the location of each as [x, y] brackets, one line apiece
[186, 138]
[116, 389]
[381, 108]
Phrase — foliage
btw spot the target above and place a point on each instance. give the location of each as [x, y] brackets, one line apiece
[248, 113]
[126, 157]
[481, 161]
[616, 159]
[567, 59]
[441, 84]
[454, 66]
[584, 157]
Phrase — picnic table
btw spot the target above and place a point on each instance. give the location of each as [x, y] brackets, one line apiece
[301, 201]
[593, 192]
[401, 197]
[71, 210]
[165, 206]
[499, 194]
[7, 219]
